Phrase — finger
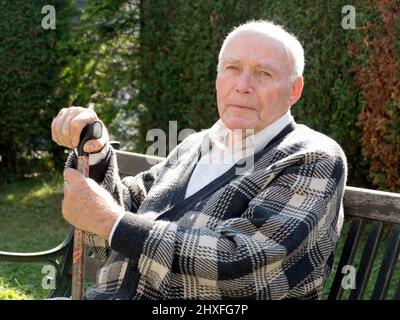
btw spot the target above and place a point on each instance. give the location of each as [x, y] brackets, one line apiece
[66, 127]
[78, 123]
[95, 145]
[73, 176]
[54, 126]
[61, 124]
[64, 132]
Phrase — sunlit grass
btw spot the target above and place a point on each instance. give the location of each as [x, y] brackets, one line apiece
[31, 220]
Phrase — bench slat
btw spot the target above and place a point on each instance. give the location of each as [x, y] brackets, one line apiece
[388, 264]
[367, 261]
[347, 257]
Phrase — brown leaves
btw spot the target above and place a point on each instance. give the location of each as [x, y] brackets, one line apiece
[380, 83]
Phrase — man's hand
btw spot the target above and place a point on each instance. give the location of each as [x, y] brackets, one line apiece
[66, 129]
[88, 206]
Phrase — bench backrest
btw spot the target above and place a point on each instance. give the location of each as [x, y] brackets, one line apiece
[374, 219]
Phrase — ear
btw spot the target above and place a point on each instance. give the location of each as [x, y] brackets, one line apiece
[216, 81]
[296, 90]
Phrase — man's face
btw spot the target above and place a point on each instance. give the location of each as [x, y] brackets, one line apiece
[253, 85]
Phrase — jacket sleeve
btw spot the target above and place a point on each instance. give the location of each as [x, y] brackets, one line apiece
[128, 195]
[280, 247]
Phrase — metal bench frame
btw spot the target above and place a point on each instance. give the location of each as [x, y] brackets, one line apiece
[360, 206]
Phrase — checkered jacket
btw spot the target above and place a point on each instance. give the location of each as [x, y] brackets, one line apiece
[269, 233]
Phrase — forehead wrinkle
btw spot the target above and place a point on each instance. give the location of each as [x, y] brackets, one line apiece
[230, 59]
[261, 65]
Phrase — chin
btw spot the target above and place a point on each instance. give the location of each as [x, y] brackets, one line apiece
[238, 123]
[240, 119]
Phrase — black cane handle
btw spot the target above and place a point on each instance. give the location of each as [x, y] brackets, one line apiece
[92, 130]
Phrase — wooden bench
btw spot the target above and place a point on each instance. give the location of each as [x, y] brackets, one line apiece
[378, 212]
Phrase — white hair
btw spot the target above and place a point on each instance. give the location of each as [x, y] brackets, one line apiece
[293, 47]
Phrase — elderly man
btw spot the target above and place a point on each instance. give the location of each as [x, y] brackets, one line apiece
[190, 228]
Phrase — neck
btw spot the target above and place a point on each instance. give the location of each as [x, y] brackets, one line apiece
[238, 136]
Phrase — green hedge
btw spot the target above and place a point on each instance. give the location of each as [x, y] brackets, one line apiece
[30, 87]
[102, 62]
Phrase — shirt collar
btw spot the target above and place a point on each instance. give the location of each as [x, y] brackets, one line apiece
[220, 134]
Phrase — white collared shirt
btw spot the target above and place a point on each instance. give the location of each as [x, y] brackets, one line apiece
[218, 159]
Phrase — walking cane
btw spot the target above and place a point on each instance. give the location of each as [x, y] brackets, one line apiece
[91, 131]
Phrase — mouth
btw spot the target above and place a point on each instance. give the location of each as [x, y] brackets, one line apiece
[244, 107]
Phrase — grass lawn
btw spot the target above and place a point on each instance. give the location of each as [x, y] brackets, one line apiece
[30, 220]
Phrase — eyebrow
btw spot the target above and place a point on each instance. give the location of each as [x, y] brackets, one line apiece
[266, 66]
[260, 65]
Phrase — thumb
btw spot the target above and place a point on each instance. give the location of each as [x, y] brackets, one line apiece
[95, 145]
[72, 175]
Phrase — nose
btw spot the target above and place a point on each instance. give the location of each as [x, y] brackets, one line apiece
[244, 84]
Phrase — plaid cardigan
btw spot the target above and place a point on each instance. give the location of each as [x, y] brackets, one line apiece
[270, 233]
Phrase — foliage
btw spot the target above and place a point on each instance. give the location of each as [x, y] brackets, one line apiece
[31, 91]
[102, 65]
[379, 81]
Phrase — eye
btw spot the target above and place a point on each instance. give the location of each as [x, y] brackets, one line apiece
[234, 68]
[265, 74]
